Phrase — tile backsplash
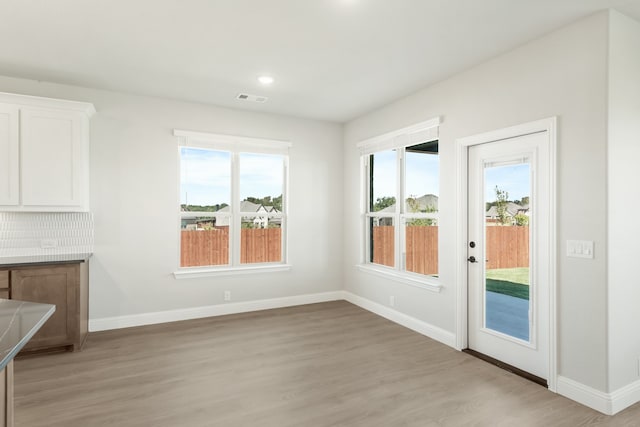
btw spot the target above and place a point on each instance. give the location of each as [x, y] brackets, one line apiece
[44, 234]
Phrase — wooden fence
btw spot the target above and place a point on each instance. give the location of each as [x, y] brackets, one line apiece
[211, 247]
[507, 247]
[421, 244]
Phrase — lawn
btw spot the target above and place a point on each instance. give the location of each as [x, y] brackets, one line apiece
[509, 281]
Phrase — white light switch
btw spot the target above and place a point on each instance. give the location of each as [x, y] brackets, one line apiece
[580, 248]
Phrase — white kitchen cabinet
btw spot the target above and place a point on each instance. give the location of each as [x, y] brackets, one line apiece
[44, 150]
[9, 174]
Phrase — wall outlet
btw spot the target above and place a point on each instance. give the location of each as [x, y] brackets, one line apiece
[48, 243]
[392, 301]
[227, 295]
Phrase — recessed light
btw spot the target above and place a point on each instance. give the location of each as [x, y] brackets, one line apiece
[265, 80]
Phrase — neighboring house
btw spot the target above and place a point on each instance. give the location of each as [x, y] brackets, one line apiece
[426, 203]
[250, 207]
[512, 210]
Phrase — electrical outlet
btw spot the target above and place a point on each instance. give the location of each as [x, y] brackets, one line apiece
[48, 243]
[227, 295]
[392, 301]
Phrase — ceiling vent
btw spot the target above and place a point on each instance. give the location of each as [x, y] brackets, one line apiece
[252, 98]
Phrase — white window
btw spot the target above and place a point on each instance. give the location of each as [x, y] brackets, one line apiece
[401, 239]
[232, 203]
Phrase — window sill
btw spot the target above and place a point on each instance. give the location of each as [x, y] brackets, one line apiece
[405, 278]
[194, 272]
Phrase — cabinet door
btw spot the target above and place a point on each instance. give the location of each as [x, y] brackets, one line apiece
[52, 285]
[51, 144]
[9, 160]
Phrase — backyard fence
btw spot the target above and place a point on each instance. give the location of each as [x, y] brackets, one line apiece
[421, 244]
[507, 247]
[211, 247]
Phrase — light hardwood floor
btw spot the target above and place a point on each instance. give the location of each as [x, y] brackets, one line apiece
[330, 364]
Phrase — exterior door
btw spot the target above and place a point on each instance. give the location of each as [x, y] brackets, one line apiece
[508, 251]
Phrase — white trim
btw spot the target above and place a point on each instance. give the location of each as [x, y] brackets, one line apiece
[195, 272]
[607, 403]
[595, 399]
[406, 278]
[232, 142]
[424, 328]
[42, 102]
[625, 397]
[419, 132]
[548, 125]
[118, 322]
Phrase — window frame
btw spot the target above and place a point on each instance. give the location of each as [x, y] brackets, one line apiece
[398, 140]
[235, 146]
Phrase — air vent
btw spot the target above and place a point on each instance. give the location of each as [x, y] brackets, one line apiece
[252, 98]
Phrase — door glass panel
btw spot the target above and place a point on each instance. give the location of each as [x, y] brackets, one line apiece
[507, 190]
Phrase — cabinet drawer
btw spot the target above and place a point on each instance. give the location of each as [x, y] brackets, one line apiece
[4, 279]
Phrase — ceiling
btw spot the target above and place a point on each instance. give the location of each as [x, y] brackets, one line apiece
[331, 59]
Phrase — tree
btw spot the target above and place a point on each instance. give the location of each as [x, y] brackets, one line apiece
[521, 220]
[383, 202]
[414, 207]
[501, 207]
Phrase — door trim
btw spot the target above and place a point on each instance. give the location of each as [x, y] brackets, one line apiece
[548, 125]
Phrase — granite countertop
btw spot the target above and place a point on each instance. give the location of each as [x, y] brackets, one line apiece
[43, 259]
[19, 321]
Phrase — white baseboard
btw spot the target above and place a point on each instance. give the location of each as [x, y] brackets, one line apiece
[424, 328]
[607, 403]
[119, 322]
[625, 397]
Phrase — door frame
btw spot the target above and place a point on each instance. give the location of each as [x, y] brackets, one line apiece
[462, 146]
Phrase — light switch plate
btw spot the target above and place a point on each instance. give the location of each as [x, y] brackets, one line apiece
[580, 248]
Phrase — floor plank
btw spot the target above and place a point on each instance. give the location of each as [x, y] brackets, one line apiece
[329, 364]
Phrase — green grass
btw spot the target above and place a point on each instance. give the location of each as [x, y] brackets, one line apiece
[509, 281]
[515, 275]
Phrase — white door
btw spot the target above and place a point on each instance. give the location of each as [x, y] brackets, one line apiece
[508, 251]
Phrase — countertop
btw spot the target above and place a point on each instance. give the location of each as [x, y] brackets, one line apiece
[43, 259]
[19, 321]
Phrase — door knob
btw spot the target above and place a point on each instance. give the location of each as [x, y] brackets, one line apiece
[472, 259]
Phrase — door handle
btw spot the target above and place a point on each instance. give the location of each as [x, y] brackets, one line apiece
[472, 259]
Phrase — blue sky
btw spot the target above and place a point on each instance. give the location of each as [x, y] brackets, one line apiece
[421, 172]
[514, 179]
[205, 176]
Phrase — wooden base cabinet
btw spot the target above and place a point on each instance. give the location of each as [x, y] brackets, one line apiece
[65, 286]
[6, 396]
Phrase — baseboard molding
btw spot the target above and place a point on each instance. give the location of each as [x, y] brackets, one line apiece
[607, 403]
[108, 323]
[626, 396]
[424, 328]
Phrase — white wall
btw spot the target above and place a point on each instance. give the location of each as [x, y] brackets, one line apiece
[624, 201]
[563, 74]
[134, 192]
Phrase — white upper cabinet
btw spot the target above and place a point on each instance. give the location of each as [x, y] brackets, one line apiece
[44, 150]
[9, 173]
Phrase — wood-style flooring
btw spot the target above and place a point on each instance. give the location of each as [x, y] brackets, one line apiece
[330, 364]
